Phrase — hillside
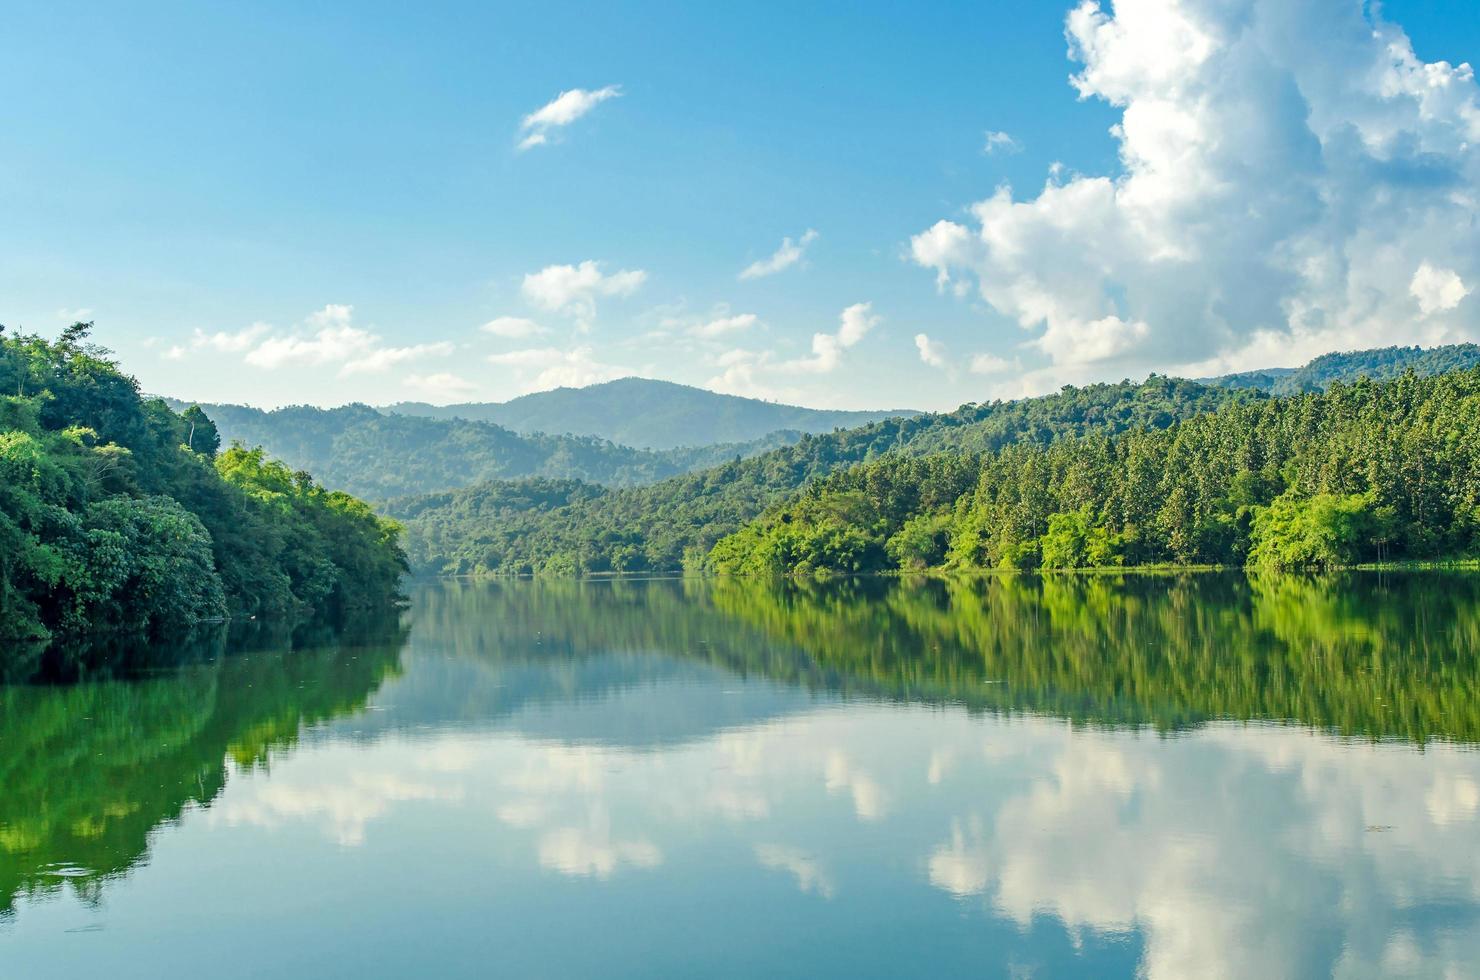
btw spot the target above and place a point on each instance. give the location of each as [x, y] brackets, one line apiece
[1379, 364]
[647, 414]
[119, 514]
[1364, 472]
[567, 528]
[377, 456]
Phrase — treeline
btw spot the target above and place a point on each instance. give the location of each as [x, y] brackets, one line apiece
[379, 456]
[1378, 364]
[567, 528]
[1365, 472]
[117, 513]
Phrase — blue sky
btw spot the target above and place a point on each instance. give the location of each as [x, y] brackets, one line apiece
[276, 203]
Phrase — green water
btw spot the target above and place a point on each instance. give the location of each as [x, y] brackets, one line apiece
[1165, 776]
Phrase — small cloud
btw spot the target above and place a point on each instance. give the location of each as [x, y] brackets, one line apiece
[808, 872]
[564, 109]
[557, 368]
[996, 141]
[79, 315]
[513, 328]
[573, 289]
[788, 255]
[720, 326]
[1437, 290]
[827, 348]
[174, 353]
[990, 364]
[332, 338]
[441, 387]
[932, 352]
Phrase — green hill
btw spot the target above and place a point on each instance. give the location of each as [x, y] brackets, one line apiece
[378, 456]
[647, 414]
[1379, 364]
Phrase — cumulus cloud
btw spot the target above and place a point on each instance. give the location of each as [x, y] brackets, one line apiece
[538, 128]
[827, 348]
[932, 352]
[788, 255]
[1294, 179]
[542, 368]
[513, 328]
[1437, 290]
[808, 872]
[573, 289]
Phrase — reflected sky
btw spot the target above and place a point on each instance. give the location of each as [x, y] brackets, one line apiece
[545, 783]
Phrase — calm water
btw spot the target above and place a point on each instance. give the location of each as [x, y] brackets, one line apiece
[1162, 776]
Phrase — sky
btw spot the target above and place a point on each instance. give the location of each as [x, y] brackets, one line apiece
[845, 205]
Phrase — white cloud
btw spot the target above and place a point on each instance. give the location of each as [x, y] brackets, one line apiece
[78, 315]
[513, 328]
[441, 386]
[996, 141]
[383, 358]
[990, 364]
[573, 289]
[788, 255]
[554, 367]
[237, 342]
[932, 352]
[330, 337]
[1437, 290]
[1284, 168]
[827, 348]
[720, 326]
[537, 128]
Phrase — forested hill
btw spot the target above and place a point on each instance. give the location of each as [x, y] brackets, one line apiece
[648, 414]
[1364, 472]
[119, 513]
[565, 527]
[1380, 364]
[378, 456]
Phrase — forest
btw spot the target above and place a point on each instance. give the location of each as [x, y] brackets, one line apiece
[572, 528]
[1364, 472]
[118, 513]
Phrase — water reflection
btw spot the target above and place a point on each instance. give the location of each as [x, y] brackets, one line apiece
[1171, 776]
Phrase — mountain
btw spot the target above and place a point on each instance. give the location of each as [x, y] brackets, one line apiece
[647, 414]
[563, 527]
[1379, 364]
[377, 456]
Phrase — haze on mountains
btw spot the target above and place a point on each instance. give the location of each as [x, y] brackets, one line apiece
[387, 453]
[648, 414]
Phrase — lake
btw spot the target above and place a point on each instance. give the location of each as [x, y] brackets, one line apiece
[1172, 776]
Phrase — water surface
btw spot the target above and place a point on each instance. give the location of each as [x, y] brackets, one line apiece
[1168, 776]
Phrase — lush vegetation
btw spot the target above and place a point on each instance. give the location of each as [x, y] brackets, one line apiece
[501, 528]
[118, 513]
[1366, 472]
[648, 414]
[1381, 364]
[379, 456]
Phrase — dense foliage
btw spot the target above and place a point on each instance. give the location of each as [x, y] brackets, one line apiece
[118, 513]
[378, 456]
[648, 414]
[501, 528]
[1365, 472]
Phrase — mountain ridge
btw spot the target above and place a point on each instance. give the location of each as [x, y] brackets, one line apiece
[648, 413]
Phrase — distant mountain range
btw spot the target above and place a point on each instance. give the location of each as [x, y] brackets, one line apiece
[378, 456]
[635, 431]
[647, 414]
